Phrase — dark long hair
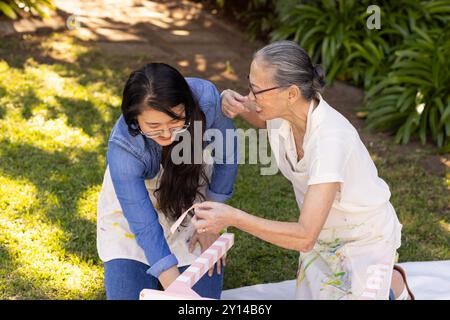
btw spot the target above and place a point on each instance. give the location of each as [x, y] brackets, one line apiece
[161, 87]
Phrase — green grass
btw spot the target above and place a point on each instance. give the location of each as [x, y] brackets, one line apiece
[59, 99]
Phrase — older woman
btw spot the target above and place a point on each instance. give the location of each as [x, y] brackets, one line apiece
[348, 232]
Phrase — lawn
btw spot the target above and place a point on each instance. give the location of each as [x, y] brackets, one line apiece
[59, 99]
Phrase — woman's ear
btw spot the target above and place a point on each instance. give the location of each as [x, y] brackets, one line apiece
[294, 94]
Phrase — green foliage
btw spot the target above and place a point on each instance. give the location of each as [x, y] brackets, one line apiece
[55, 119]
[403, 67]
[15, 8]
[258, 16]
[414, 97]
[334, 34]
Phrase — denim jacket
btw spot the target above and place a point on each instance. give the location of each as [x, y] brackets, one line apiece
[132, 160]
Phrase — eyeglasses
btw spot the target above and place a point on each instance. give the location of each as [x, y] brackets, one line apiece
[173, 131]
[261, 91]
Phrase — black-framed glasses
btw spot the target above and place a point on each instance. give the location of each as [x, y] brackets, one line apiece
[173, 131]
[263, 90]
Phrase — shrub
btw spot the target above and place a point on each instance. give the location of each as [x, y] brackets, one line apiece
[403, 67]
[258, 16]
[414, 97]
[15, 8]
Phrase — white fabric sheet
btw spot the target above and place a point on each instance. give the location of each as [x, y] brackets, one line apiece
[427, 280]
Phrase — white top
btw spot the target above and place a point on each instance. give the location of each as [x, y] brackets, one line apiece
[333, 152]
[356, 248]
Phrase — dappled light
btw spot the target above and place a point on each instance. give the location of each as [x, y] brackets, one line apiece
[60, 96]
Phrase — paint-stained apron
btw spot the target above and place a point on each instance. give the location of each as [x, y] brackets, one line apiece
[355, 252]
[352, 258]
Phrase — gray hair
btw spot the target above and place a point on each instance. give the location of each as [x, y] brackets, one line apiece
[293, 66]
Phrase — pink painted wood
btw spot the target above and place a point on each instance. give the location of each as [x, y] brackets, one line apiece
[181, 287]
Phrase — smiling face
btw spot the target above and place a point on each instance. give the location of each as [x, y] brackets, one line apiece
[270, 103]
[269, 99]
[151, 120]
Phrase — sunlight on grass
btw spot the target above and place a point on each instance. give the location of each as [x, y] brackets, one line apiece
[33, 242]
[53, 137]
[50, 135]
[59, 99]
[44, 264]
[63, 48]
[87, 204]
[16, 195]
[445, 225]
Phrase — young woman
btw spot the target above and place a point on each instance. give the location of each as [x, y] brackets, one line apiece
[145, 188]
[348, 232]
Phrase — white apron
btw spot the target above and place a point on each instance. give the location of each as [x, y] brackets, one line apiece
[116, 241]
[355, 251]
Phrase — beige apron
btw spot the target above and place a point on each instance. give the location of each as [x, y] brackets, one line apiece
[116, 241]
[355, 251]
[353, 257]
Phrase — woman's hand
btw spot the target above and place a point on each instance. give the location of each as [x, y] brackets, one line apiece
[233, 103]
[213, 216]
[206, 240]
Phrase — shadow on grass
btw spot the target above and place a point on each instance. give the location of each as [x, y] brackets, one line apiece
[55, 175]
[27, 100]
[88, 67]
[13, 285]
[2, 94]
[82, 114]
[156, 44]
[421, 201]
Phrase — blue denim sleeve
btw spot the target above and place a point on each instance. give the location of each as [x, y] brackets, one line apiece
[127, 175]
[225, 161]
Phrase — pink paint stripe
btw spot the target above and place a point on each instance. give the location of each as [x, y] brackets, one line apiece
[220, 251]
[205, 261]
[225, 242]
[190, 275]
[210, 258]
[201, 267]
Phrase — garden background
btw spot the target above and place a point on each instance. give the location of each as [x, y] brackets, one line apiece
[61, 80]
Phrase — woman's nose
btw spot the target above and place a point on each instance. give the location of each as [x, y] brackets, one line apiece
[166, 134]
